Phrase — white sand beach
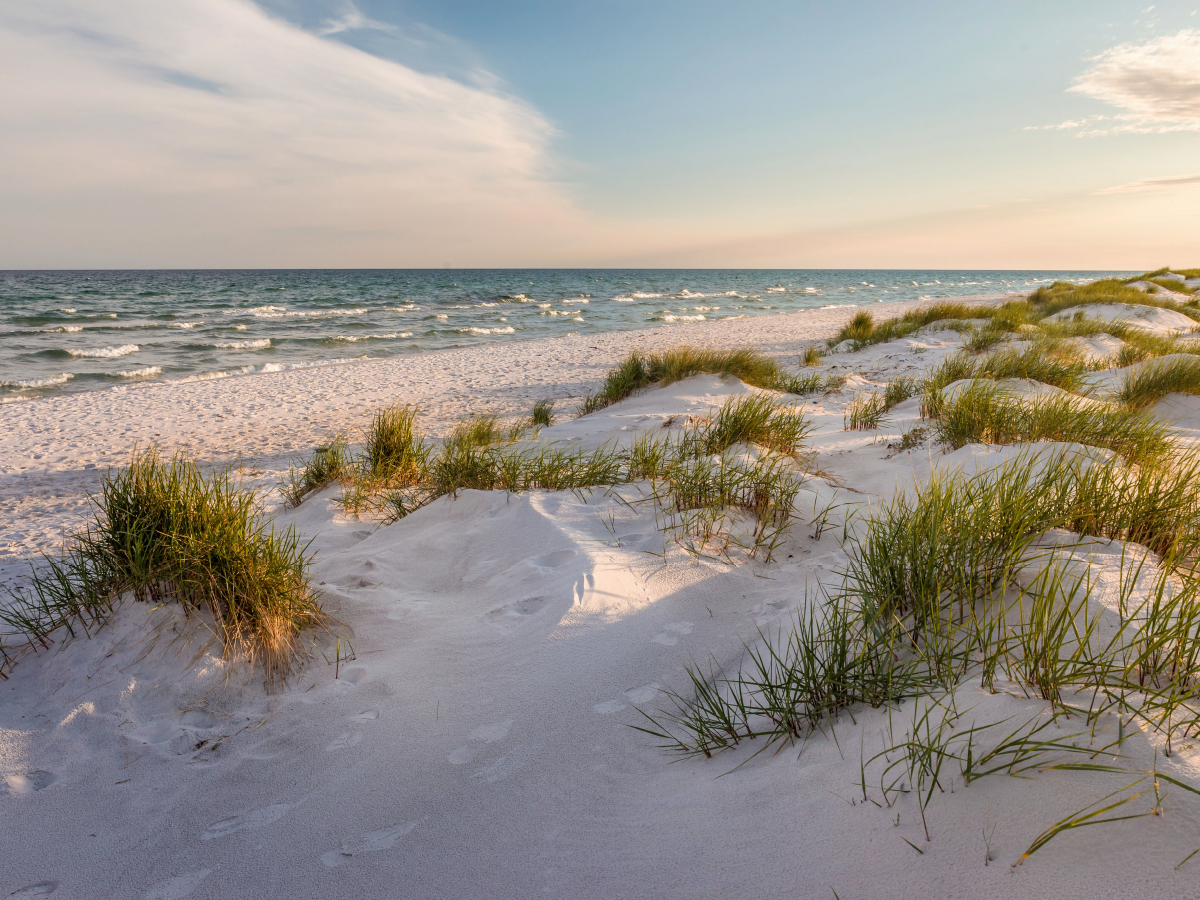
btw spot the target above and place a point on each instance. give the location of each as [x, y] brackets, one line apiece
[482, 741]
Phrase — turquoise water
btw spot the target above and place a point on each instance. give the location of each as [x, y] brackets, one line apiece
[76, 331]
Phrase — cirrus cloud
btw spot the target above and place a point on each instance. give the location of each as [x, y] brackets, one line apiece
[202, 132]
[1155, 82]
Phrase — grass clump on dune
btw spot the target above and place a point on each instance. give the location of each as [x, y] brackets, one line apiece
[327, 464]
[165, 532]
[393, 448]
[542, 415]
[1052, 299]
[1172, 284]
[867, 411]
[935, 592]
[988, 413]
[1153, 381]
[640, 370]
[699, 484]
[752, 420]
[1038, 362]
[862, 330]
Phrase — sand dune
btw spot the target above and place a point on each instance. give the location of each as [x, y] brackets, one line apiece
[479, 743]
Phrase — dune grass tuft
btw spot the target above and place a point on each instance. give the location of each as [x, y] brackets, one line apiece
[933, 595]
[988, 413]
[1153, 381]
[640, 370]
[542, 415]
[327, 464]
[394, 447]
[164, 531]
[752, 420]
[1045, 361]
[862, 330]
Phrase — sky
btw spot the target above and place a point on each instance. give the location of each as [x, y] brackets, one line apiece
[408, 133]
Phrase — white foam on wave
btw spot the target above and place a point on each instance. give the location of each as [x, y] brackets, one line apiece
[282, 312]
[260, 370]
[104, 352]
[353, 339]
[261, 344]
[61, 329]
[838, 305]
[406, 308]
[576, 300]
[185, 324]
[148, 372]
[48, 381]
[669, 318]
[507, 329]
[69, 310]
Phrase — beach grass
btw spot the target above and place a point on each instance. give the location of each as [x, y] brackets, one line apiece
[327, 464]
[862, 330]
[1041, 361]
[163, 531]
[928, 601]
[640, 370]
[1154, 380]
[393, 447]
[753, 419]
[542, 415]
[989, 413]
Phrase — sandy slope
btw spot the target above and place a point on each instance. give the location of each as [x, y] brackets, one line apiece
[478, 745]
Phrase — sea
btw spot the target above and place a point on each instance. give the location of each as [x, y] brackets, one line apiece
[69, 331]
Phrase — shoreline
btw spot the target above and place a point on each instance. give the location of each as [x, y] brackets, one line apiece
[59, 446]
[38, 416]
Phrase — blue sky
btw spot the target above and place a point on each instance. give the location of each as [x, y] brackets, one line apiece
[537, 133]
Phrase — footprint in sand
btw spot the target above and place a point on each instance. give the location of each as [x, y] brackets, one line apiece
[255, 819]
[643, 694]
[548, 562]
[41, 889]
[178, 887]
[505, 617]
[369, 715]
[484, 734]
[669, 636]
[383, 839]
[343, 741]
[608, 707]
[27, 783]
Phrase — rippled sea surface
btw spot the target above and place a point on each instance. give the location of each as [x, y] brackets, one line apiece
[77, 331]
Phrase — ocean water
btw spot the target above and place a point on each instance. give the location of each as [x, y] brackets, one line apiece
[77, 331]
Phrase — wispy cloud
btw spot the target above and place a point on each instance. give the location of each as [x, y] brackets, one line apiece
[202, 132]
[1150, 184]
[1156, 83]
[352, 19]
